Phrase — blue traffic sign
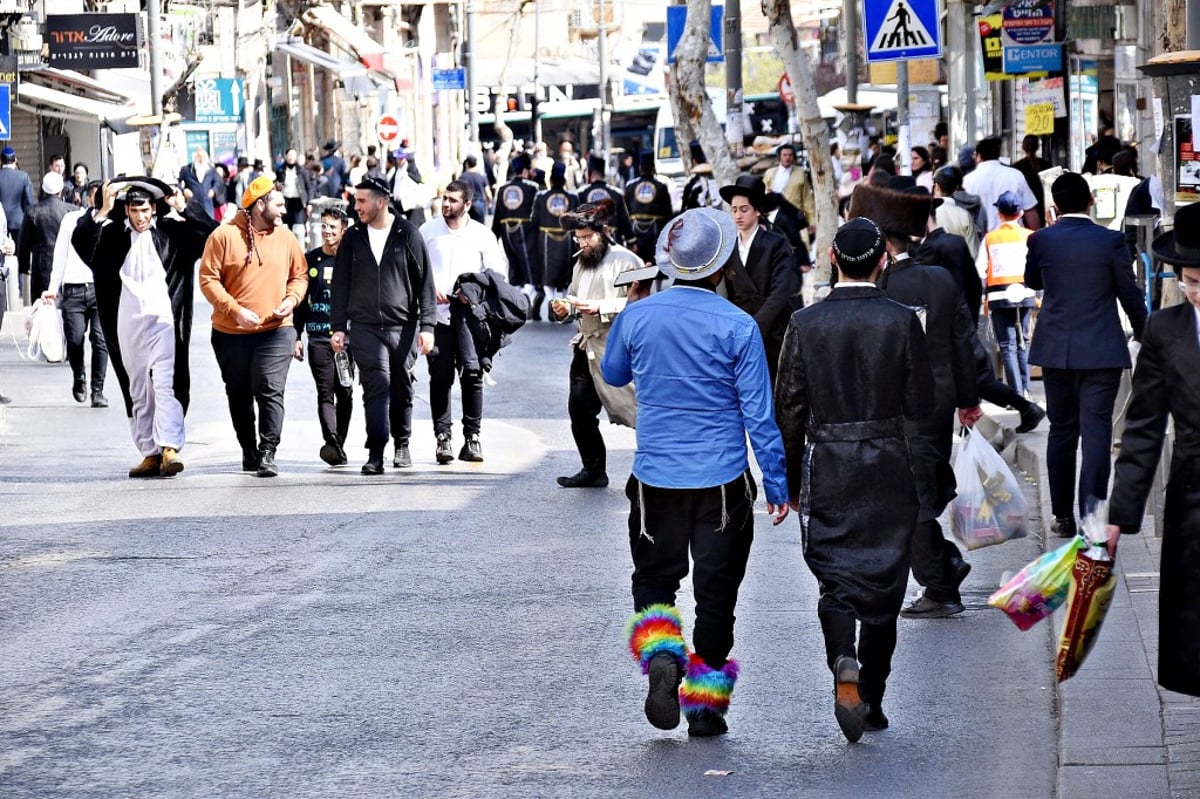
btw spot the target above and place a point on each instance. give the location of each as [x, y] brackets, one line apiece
[448, 80]
[677, 22]
[5, 111]
[219, 100]
[898, 30]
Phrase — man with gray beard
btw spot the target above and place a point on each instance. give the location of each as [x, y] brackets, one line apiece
[593, 301]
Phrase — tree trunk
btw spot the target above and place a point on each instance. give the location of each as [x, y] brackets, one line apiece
[1173, 26]
[694, 115]
[813, 130]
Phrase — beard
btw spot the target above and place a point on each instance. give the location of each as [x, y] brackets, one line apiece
[591, 258]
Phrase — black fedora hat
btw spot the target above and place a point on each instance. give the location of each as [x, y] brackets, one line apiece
[1181, 247]
[751, 188]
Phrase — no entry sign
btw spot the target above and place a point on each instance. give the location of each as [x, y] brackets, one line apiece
[388, 129]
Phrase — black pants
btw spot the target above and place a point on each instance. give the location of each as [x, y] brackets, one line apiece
[683, 519]
[1079, 404]
[335, 402]
[584, 406]
[254, 367]
[80, 314]
[442, 359]
[384, 357]
[934, 561]
[876, 644]
[293, 211]
[1002, 394]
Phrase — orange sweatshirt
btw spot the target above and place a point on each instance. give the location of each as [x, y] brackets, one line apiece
[276, 269]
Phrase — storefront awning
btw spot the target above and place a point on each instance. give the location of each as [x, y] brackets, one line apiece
[353, 75]
[346, 35]
[37, 98]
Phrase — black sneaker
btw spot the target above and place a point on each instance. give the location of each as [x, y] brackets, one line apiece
[266, 464]
[99, 400]
[925, 608]
[706, 723]
[875, 720]
[445, 453]
[333, 455]
[1064, 527]
[472, 450]
[662, 700]
[584, 479]
[402, 459]
[1031, 417]
[79, 390]
[535, 307]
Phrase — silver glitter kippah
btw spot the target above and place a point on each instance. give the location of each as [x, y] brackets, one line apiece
[857, 241]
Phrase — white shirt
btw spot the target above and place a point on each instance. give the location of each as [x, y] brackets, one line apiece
[378, 238]
[69, 268]
[745, 244]
[780, 181]
[1196, 311]
[991, 179]
[469, 249]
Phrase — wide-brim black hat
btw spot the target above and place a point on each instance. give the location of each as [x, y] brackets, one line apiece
[156, 188]
[751, 188]
[897, 213]
[1181, 246]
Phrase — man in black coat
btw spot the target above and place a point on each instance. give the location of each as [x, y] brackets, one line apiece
[932, 293]
[39, 230]
[945, 249]
[555, 249]
[649, 205]
[1084, 270]
[298, 191]
[514, 225]
[597, 189]
[761, 276]
[200, 181]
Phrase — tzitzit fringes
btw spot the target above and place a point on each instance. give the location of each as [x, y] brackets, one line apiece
[654, 629]
[706, 688]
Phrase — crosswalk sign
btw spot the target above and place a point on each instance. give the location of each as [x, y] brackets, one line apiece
[898, 30]
[5, 111]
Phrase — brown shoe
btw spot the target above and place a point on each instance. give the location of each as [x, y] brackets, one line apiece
[848, 707]
[171, 465]
[151, 466]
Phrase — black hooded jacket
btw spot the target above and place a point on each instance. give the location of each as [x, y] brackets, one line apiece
[387, 294]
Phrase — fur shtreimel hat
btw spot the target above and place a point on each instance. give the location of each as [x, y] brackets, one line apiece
[897, 213]
[592, 216]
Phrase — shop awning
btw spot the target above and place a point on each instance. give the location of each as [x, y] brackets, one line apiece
[354, 76]
[37, 98]
[346, 35]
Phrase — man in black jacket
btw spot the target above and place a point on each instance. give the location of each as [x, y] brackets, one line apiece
[39, 230]
[383, 293]
[298, 192]
[649, 205]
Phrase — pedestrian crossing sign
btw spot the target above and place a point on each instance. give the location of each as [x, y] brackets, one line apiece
[899, 30]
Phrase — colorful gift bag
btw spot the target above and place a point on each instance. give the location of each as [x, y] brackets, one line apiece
[1040, 587]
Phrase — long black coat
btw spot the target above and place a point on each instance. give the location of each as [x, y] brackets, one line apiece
[854, 368]
[180, 243]
[944, 249]
[950, 338]
[514, 225]
[1167, 382]
[649, 204]
[35, 250]
[555, 249]
[771, 293]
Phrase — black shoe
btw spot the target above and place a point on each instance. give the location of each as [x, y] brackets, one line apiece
[959, 569]
[925, 608]
[1064, 527]
[662, 701]
[373, 466]
[584, 479]
[99, 400]
[5, 400]
[706, 723]
[79, 390]
[333, 455]
[266, 464]
[1031, 417]
[402, 459]
[472, 450]
[535, 307]
[444, 453]
[250, 460]
[875, 720]
[848, 707]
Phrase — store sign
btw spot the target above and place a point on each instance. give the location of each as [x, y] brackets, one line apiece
[92, 41]
[1033, 58]
[1028, 22]
[219, 100]
[993, 47]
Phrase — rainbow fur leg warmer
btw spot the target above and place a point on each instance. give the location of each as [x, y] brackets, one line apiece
[705, 688]
[654, 629]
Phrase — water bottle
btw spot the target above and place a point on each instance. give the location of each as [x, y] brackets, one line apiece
[345, 368]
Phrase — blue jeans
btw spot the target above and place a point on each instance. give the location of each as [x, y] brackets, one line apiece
[1013, 348]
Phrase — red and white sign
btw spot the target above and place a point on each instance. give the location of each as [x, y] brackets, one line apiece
[388, 129]
[785, 89]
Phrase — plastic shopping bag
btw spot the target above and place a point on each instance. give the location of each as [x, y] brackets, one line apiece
[1093, 582]
[1040, 587]
[990, 505]
[44, 326]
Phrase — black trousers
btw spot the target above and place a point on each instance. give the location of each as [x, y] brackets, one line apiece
[384, 358]
[441, 360]
[876, 644]
[584, 406]
[934, 559]
[335, 402]
[1002, 394]
[679, 520]
[81, 314]
[254, 367]
[1079, 405]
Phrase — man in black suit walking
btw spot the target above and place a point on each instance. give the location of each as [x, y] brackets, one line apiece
[1084, 270]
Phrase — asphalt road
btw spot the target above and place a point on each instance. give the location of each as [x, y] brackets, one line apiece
[439, 631]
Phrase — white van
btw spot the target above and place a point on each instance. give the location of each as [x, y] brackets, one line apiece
[668, 163]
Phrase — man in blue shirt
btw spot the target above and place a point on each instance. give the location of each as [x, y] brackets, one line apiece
[700, 370]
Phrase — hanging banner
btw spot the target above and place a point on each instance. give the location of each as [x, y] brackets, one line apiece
[992, 47]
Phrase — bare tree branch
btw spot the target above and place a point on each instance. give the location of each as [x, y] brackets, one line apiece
[694, 115]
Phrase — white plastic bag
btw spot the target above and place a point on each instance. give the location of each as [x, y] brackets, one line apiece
[44, 326]
[990, 505]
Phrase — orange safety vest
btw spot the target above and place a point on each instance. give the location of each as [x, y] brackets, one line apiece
[1006, 248]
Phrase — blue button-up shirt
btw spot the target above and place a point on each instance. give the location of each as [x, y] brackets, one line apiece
[702, 383]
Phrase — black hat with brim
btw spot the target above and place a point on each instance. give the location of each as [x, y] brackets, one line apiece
[1181, 246]
[751, 188]
[156, 188]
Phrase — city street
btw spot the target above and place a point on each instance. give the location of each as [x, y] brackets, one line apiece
[438, 631]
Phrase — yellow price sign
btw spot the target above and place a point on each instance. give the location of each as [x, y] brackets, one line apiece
[1039, 119]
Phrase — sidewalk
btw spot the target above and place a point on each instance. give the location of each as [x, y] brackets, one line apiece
[1119, 733]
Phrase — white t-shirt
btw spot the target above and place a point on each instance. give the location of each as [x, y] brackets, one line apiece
[452, 252]
[991, 179]
[378, 238]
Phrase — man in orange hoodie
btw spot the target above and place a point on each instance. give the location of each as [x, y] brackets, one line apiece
[253, 272]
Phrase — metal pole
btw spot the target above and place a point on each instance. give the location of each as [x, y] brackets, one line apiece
[903, 142]
[605, 109]
[468, 57]
[733, 75]
[153, 20]
[534, 116]
[850, 12]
